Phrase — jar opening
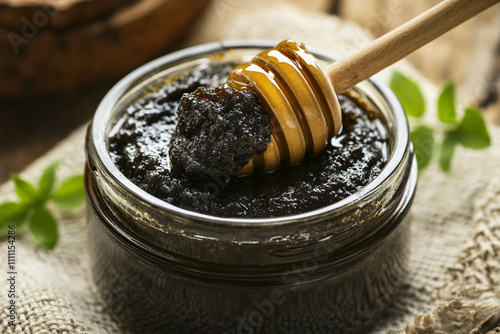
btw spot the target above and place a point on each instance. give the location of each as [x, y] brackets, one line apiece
[128, 88]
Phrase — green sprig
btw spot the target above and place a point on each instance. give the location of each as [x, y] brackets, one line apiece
[409, 94]
[32, 204]
[470, 131]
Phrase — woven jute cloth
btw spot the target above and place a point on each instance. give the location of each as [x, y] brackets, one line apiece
[454, 280]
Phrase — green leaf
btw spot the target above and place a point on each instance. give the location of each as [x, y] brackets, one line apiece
[43, 227]
[70, 193]
[472, 131]
[46, 183]
[12, 213]
[25, 190]
[408, 93]
[447, 112]
[447, 151]
[423, 142]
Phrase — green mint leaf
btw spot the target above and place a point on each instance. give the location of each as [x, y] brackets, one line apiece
[408, 93]
[423, 142]
[447, 112]
[25, 190]
[472, 131]
[46, 183]
[70, 193]
[43, 227]
[447, 151]
[12, 213]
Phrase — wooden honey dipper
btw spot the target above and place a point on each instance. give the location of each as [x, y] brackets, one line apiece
[301, 99]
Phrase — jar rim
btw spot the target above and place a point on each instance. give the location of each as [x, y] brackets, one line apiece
[98, 134]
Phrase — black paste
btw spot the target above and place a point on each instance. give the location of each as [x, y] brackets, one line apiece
[139, 146]
[218, 131]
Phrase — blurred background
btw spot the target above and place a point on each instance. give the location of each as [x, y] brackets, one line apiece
[58, 58]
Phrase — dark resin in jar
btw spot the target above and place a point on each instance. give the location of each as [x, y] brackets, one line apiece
[139, 146]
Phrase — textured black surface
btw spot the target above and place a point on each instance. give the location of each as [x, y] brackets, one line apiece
[218, 131]
[140, 148]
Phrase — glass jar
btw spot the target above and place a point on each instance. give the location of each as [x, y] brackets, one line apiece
[163, 269]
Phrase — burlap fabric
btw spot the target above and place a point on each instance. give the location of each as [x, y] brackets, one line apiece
[453, 285]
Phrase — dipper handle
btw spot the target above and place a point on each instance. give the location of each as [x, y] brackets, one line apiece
[402, 41]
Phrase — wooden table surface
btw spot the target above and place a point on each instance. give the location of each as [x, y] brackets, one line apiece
[470, 54]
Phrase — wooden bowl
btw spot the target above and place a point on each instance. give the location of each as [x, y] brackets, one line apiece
[58, 48]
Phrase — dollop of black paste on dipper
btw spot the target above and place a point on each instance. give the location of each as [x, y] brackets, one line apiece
[218, 131]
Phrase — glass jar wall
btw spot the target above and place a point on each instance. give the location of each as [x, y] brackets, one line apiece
[164, 269]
